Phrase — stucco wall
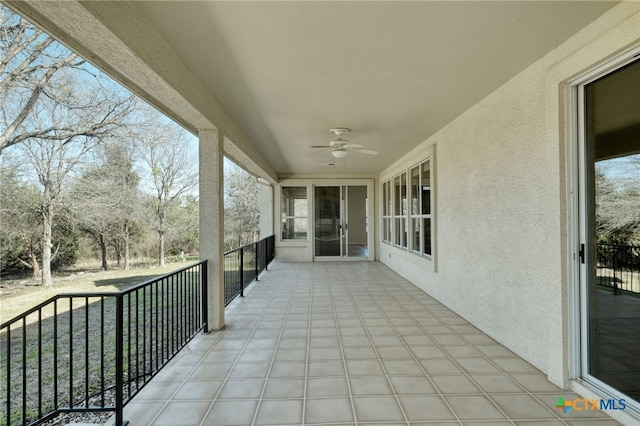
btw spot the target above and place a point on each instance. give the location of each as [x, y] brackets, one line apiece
[501, 200]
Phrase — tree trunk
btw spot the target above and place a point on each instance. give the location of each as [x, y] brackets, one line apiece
[103, 252]
[47, 222]
[117, 250]
[161, 238]
[33, 259]
[126, 246]
[35, 266]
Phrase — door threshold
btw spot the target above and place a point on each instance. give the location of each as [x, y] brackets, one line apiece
[340, 259]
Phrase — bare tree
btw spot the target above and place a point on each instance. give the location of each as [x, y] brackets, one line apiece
[618, 200]
[171, 167]
[241, 206]
[54, 160]
[34, 70]
[105, 200]
[55, 109]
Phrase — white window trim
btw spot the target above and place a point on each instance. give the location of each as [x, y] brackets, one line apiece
[420, 251]
[396, 238]
[388, 217]
[425, 153]
[306, 218]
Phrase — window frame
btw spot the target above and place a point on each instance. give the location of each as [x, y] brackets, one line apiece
[400, 211]
[417, 209]
[387, 212]
[295, 218]
[425, 244]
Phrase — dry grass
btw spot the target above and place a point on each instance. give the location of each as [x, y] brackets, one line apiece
[94, 337]
[19, 295]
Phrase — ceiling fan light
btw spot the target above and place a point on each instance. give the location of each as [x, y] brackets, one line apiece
[339, 153]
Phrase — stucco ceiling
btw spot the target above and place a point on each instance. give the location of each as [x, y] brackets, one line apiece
[394, 72]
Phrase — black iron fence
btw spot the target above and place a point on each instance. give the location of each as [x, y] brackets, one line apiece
[244, 264]
[618, 267]
[94, 351]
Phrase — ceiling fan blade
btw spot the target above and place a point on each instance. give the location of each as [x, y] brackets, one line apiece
[320, 146]
[365, 151]
[313, 153]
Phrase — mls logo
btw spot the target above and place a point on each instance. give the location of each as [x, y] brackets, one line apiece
[583, 404]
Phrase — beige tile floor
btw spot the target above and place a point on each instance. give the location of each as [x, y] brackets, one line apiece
[348, 343]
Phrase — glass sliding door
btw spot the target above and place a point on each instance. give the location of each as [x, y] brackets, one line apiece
[328, 221]
[340, 221]
[610, 230]
[356, 232]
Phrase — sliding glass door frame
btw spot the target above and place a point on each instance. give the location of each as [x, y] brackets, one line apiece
[581, 237]
[343, 227]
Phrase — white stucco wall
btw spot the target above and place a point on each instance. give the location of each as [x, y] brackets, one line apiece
[266, 208]
[501, 202]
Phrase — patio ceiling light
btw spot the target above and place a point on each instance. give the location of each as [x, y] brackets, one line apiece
[339, 152]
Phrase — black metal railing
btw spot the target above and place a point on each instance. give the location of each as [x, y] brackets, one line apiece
[618, 267]
[94, 351]
[244, 264]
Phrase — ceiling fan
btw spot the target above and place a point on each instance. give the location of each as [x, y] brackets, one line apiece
[340, 147]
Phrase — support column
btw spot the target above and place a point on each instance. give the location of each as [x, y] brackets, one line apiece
[212, 220]
[266, 209]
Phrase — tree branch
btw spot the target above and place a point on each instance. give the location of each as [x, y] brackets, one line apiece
[6, 139]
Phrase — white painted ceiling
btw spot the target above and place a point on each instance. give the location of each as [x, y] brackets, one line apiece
[394, 72]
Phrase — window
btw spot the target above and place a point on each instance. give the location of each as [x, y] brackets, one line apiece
[420, 214]
[386, 212]
[414, 176]
[400, 210]
[406, 210]
[294, 213]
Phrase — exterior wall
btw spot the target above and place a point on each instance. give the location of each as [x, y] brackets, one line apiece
[266, 209]
[501, 206]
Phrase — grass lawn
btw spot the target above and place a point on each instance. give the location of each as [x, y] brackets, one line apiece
[19, 295]
[80, 361]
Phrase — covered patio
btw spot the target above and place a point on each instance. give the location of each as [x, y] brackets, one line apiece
[348, 343]
[476, 213]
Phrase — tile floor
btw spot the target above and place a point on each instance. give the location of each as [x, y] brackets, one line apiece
[348, 343]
